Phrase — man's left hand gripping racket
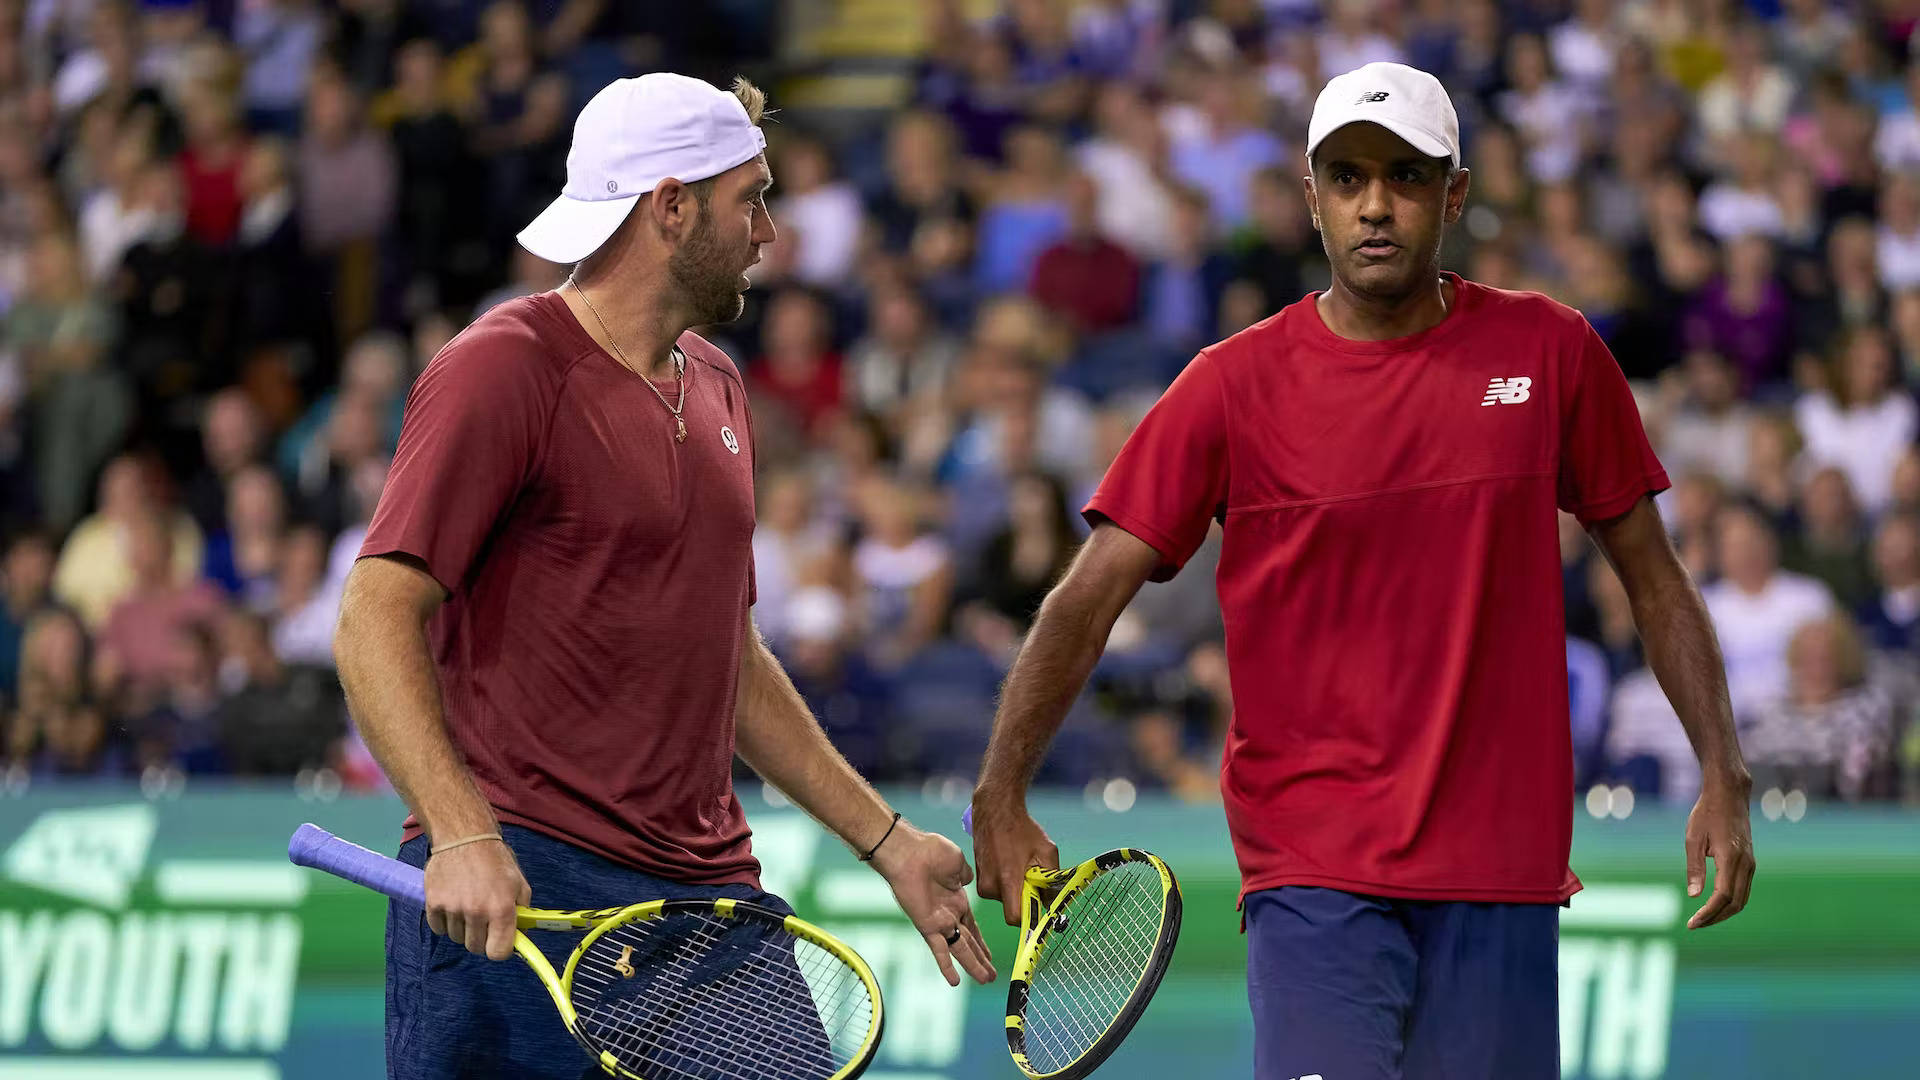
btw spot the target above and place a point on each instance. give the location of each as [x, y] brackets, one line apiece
[677, 989]
[1090, 958]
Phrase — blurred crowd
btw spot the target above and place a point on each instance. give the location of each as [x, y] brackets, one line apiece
[231, 233]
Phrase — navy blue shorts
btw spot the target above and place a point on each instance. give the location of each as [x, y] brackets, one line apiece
[452, 1015]
[1349, 987]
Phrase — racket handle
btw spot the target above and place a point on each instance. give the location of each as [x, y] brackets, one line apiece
[314, 846]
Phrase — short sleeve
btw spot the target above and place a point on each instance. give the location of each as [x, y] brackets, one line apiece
[470, 441]
[1170, 480]
[1606, 463]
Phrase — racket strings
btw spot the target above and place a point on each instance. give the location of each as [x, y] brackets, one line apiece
[707, 998]
[1089, 968]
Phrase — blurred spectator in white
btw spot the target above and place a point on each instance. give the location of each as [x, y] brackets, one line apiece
[1646, 745]
[1756, 607]
[279, 39]
[1713, 428]
[110, 63]
[1583, 49]
[1745, 202]
[1549, 116]
[788, 539]
[1231, 146]
[1896, 144]
[904, 574]
[818, 214]
[94, 571]
[1831, 733]
[1862, 419]
[1897, 244]
[1026, 210]
[904, 358]
[363, 489]
[1085, 278]
[1830, 544]
[1352, 38]
[1891, 614]
[1127, 158]
[114, 218]
[305, 609]
[1752, 94]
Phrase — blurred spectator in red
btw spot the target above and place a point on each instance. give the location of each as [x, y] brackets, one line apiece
[798, 370]
[1862, 419]
[210, 164]
[1084, 277]
[139, 642]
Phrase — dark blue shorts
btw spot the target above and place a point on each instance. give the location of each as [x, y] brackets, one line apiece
[452, 1015]
[1351, 987]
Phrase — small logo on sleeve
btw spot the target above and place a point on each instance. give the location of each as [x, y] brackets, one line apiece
[727, 437]
[1507, 391]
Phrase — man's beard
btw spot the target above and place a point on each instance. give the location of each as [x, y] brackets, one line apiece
[706, 276]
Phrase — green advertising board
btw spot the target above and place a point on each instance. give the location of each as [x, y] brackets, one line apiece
[170, 939]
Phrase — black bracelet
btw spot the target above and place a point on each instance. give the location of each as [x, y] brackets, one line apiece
[868, 857]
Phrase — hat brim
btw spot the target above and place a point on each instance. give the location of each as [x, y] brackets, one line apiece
[1424, 141]
[569, 230]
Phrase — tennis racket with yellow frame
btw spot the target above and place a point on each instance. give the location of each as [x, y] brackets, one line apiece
[677, 989]
[1095, 941]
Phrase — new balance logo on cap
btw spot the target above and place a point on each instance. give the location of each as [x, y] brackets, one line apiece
[1507, 391]
[1371, 97]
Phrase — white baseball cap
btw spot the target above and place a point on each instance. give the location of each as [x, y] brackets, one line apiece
[632, 135]
[1406, 101]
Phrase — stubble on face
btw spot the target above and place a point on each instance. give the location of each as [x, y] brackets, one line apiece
[707, 276]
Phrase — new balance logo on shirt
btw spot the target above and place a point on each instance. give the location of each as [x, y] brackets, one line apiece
[1507, 391]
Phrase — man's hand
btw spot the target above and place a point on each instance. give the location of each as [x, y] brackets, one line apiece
[929, 877]
[1006, 841]
[1718, 828]
[471, 893]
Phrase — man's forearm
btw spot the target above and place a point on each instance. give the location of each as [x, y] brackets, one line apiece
[1048, 674]
[386, 668]
[1685, 656]
[777, 734]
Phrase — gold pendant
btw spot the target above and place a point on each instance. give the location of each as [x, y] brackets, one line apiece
[681, 434]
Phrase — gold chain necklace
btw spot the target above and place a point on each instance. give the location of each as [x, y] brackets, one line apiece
[679, 366]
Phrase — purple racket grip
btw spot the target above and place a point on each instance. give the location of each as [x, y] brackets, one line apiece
[314, 846]
[966, 819]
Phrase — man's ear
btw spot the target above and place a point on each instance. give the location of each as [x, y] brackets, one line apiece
[1313, 201]
[672, 206]
[1457, 195]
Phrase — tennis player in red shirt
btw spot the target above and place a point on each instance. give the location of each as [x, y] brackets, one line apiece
[1386, 458]
[546, 640]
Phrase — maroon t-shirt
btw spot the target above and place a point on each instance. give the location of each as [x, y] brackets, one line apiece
[599, 576]
[1390, 579]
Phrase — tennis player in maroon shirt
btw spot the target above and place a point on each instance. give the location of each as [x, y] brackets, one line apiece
[546, 640]
[1386, 458]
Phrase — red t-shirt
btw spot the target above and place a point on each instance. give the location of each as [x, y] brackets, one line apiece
[1390, 580]
[599, 576]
